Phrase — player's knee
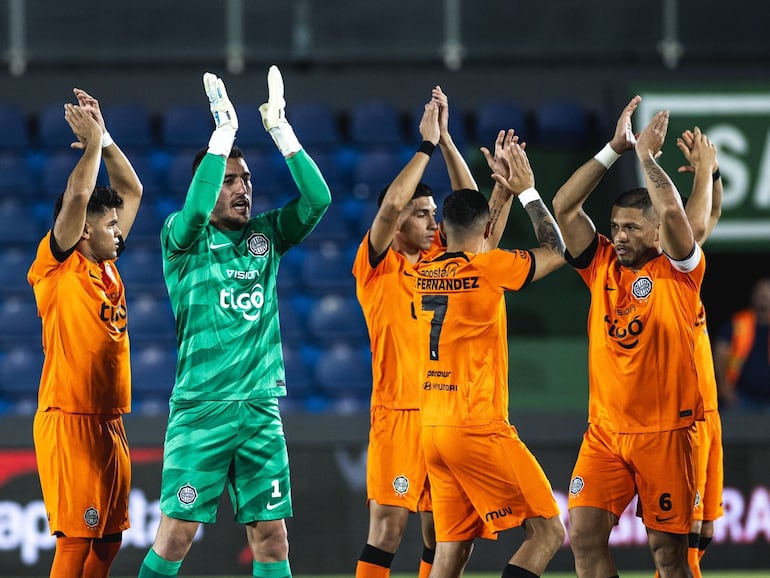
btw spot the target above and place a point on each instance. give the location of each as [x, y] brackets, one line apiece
[583, 539]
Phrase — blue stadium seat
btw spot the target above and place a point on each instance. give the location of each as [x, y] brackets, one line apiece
[327, 269]
[561, 123]
[457, 125]
[141, 269]
[56, 170]
[150, 317]
[299, 377]
[153, 369]
[186, 126]
[315, 124]
[290, 271]
[147, 225]
[437, 177]
[496, 115]
[19, 223]
[130, 124]
[14, 264]
[20, 369]
[19, 320]
[270, 177]
[179, 173]
[375, 123]
[14, 128]
[344, 372]
[334, 318]
[17, 180]
[251, 133]
[53, 131]
[374, 170]
[293, 320]
[333, 226]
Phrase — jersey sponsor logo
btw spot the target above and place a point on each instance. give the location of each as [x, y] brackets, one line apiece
[500, 513]
[697, 498]
[187, 495]
[428, 386]
[401, 485]
[626, 336]
[642, 287]
[258, 244]
[439, 284]
[448, 270]
[114, 315]
[234, 274]
[271, 506]
[91, 517]
[248, 303]
[576, 485]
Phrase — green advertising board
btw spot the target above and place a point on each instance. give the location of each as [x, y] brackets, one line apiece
[739, 125]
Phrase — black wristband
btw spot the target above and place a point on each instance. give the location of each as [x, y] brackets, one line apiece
[715, 176]
[426, 147]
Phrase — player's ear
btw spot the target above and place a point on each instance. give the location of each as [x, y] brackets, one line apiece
[86, 234]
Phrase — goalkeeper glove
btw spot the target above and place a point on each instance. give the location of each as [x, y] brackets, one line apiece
[225, 119]
[274, 115]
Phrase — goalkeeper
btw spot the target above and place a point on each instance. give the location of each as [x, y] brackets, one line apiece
[220, 267]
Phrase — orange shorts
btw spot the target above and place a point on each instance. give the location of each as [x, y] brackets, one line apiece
[85, 472]
[483, 480]
[396, 473]
[660, 467]
[709, 467]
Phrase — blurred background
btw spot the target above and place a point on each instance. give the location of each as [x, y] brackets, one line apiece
[356, 77]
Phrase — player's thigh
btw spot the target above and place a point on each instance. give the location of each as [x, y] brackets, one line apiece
[711, 491]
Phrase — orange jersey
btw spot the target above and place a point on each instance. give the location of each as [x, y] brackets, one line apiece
[642, 374]
[82, 305]
[704, 362]
[385, 295]
[463, 334]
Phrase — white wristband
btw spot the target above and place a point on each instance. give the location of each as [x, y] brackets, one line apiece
[221, 141]
[285, 139]
[607, 156]
[106, 139]
[528, 195]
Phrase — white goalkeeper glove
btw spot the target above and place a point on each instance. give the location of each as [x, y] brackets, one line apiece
[225, 119]
[274, 115]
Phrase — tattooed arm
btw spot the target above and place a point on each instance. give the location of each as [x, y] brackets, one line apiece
[676, 236]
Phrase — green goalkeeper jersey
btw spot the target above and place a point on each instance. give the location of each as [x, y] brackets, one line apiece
[222, 286]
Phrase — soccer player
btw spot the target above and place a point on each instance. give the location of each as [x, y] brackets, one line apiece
[85, 387]
[643, 388]
[403, 232]
[220, 267]
[483, 478]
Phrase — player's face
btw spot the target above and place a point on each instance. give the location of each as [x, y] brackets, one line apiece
[233, 208]
[102, 236]
[635, 237]
[418, 223]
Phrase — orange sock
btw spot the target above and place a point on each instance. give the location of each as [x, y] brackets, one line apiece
[70, 557]
[100, 559]
[692, 561]
[657, 574]
[369, 570]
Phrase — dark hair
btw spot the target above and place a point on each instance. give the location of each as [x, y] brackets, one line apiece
[422, 190]
[235, 153]
[465, 208]
[102, 198]
[638, 198]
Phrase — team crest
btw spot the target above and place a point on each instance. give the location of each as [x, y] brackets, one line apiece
[187, 495]
[697, 498]
[401, 485]
[576, 486]
[258, 244]
[642, 287]
[91, 517]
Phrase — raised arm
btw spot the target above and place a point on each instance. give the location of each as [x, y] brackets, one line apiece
[704, 206]
[501, 198]
[460, 175]
[676, 237]
[576, 226]
[402, 189]
[122, 176]
[520, 182]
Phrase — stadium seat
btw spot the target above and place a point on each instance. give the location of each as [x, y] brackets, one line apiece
[496, 115]
[186, 126]
[150, 317]
[561, 123]
[14, 264]
[13, 127]
[344, 372]
[17, 180]
[20, 369]
[19, 223]
[290, 271]
[270, 177]
[374, 170]
[315, 124]
[457, 125]
[146, 228]
[153, 370]
[141, 269]
[436, 176]
[333, 226]
[19, 320]
[251, 133]
[374, 123]
[334, 318]
[293, 321]
[130, 124]
[299, 377]
[327, 269]
[53, 131]
[56, 170]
